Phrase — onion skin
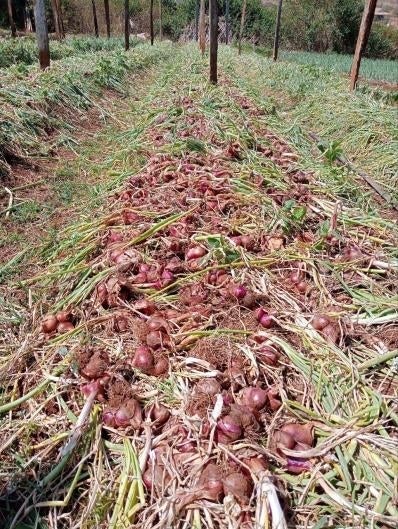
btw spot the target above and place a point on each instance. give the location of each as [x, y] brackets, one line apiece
[157, 324]
[283, 440]
[49, 324]
[159, 414]
[65, 326]
[208, 386]
[297, 466]
[154, 339]
[210, 483]
[254, 398]
[301, 433]
[145, 307]
[239, 486]
[161, 367]
[268, 355]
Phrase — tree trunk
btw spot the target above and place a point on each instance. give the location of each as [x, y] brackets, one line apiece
[42, 34]
[126, 24]
[11, 18]
[277, 30]
[242, 25]
[60, 18]
[227, 20]
[160, 20]
[213, 15]
[56, 19]
[197, 11]
[151, 22]
[95, 19]
[202, 27]
[107, 19]
[364, 31]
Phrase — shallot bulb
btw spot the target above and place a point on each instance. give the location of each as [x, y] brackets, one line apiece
[195, 252]
[208, 386]
[210, 482]
[49, 324]
[320, 321]
[264, 319]
[143, 359]
[254, 398]
[229, 429]
[238, 291]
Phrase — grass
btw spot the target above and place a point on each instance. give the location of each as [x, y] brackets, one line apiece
[48, 101]
[21, 52]
[307, 98]
[185, 127]
[375, 69]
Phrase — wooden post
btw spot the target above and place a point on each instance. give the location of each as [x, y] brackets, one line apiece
[107, 19]
[242, 25]
[42, 34]
[277, 30]
[160, 20]
[197, 11]
[213, 16]
[95, 18]
[126, 24]
[151, 22]
[202, 27]
[227, 20]
[363, 36]
[11, 18]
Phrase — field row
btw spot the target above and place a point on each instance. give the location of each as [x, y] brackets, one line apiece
[221, 329]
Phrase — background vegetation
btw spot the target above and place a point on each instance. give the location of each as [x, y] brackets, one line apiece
[307, 25]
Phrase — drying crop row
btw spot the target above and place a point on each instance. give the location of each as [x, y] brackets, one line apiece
[214, 348]
[32, 108]
[23, 51]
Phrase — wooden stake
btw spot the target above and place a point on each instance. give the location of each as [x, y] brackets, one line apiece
[126, 24]
[95, 19]
[107, 19]
[42, 34]
[202, 27]
[363, 36]
[242, 25]
[151, 22]
[197, 11]
[277, 30]
[11, 18]
[213, 15]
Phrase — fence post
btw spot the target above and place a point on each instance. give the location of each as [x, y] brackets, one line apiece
[363, 36]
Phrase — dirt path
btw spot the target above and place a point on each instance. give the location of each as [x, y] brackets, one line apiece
[219, 265]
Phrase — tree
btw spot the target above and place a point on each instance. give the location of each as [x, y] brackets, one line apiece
[126, 25]
[202, 27]
[151, 21]
[227, 20]
[107, 19]
[197, 11]
[213, 15]
[160, 21]
[242, 25]
[42, 34]
[11, 18]
[95, 18]
[56, 9]
[277, 30]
